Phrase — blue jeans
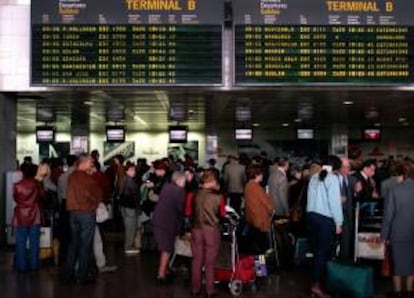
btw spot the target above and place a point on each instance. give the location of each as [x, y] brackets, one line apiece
[321, 235]
[82, 226]
[22, 234]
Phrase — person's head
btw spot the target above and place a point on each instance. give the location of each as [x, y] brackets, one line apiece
[345, 169]
[408, 169]
[118, 160]
[333, 162]
[85, 163]
[306, 170]
[43, 171]
[283, 164]
[233, 159]
[296, 172]
[27, 159]
[314, 168]
[209, 180]
[178, 178]
[254, 172]
[397, 169]
[95, 154]
[368, 167]
[130, 170]
[71, 160]
[28, 170]
[189, 175]
[160, 168]
[212, 162]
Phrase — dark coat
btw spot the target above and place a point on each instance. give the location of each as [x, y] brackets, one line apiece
[347, 237]
[367, 188]
[398, 221]
[170, 208]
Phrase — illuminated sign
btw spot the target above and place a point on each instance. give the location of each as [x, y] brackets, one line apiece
[131, 42]
[298, 41]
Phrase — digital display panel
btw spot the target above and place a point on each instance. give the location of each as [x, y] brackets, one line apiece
[126, 42]
[323, 41]
[304, 134]
[243, 134]
[372, 134]
[178, 134]
[115, 134]
[45, 134]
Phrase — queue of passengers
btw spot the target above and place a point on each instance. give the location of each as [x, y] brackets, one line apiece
[318, 198]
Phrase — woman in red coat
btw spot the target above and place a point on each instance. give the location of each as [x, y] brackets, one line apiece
[26, 219]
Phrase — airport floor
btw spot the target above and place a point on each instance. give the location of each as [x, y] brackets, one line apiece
[135, 278]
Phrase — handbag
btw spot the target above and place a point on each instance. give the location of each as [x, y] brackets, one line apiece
[252, 241]
[386, 263]
[102, 213]
[350, 280]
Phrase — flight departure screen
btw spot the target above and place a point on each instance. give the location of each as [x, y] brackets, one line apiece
[126, 42]
[323, 41]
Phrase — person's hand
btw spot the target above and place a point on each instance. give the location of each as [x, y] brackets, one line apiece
[358, 187]
[149, 184]
[338, 230]
[375, 195]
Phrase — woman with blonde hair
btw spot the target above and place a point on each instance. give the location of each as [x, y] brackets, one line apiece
[48, 197]
[43, 171]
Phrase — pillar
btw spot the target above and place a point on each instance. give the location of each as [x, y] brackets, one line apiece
[339, 141]
[8, 119]
[80, 123]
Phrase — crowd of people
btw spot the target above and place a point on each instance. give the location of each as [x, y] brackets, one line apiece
[317, 197]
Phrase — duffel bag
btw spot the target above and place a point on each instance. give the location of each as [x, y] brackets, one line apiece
[350, 280]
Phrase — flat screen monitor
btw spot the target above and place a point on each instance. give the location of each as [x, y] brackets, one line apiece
[45, 134]
[304, 134]
[372, 134]
[243, 134]
[115, 134]
[178, 134]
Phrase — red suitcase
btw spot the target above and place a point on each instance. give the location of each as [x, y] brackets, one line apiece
[244, 271]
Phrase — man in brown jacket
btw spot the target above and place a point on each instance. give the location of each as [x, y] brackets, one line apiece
[82, 198]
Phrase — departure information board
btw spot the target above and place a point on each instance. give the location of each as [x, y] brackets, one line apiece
[324, 41]
[126, 42]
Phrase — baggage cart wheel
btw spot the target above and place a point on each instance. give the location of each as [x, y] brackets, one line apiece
[253, 287]
[236, 287]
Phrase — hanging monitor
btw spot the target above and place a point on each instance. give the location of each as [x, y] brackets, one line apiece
[372, 134]
[243, 134]
[305, 134]
[178, 134]
[45, 134]
[115, 134]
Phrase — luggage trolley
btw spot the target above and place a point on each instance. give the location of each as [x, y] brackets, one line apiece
[368, 244]
[242, 269]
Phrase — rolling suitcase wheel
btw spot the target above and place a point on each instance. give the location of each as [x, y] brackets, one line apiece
[236, 287]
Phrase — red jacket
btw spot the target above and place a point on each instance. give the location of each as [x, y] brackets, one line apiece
[26, 193]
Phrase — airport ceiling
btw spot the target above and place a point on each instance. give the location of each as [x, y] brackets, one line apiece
[151, 110]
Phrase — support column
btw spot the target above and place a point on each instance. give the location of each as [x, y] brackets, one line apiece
[79, 127]
[8, 124]
[339, 141]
